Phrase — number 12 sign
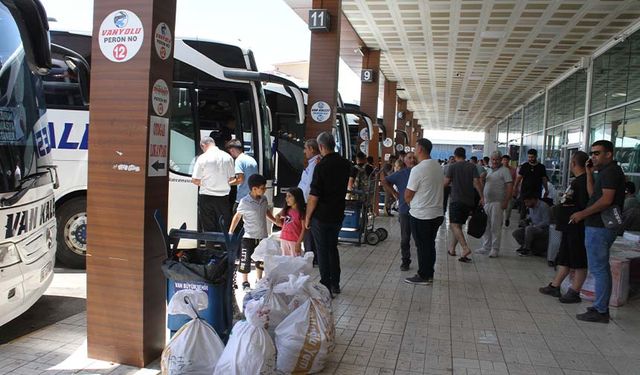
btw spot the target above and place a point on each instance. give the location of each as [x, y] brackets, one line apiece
[319, 20]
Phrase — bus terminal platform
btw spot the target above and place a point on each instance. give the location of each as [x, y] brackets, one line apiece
[482, 318]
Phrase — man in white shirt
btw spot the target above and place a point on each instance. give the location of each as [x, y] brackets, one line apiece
[312, 153]
[498, 189]
[424, 194]
[212, 172]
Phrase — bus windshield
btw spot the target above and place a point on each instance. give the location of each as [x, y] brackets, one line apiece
[18, 107]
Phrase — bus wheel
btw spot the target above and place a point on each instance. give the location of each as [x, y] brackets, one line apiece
[72, 233]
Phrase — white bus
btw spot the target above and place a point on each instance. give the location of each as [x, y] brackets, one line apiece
[216, 91]
[289, 137]
[27, 179]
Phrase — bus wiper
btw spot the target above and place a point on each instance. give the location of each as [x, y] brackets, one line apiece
[25, 184]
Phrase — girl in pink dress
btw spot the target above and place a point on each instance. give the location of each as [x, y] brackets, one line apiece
[291, 219]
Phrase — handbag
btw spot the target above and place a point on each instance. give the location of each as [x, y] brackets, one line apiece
[478, 223]
[612, 218]
[562, 214]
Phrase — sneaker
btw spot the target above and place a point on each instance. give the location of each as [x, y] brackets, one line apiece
[246, 286]
[524, 253]
[404, 267]
[493, 254]
[592, 315]
[550, 290]
[571, 296]
[481, 250]
[417, 280]
[506, 223]
[335, 290]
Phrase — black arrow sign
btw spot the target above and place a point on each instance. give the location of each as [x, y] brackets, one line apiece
[157, 165]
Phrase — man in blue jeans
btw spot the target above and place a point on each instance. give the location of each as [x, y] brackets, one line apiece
[606, 189]
[400, 179]
[325, 209]
[424, 195]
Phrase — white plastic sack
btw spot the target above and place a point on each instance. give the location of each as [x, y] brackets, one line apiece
[196, 347]
[275, 308]
[278, 267]
[305, 339]
[266, 247]
[299, 288]
[250, 349]
[181, 300]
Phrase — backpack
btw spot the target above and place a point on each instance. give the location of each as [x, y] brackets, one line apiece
[361, 182]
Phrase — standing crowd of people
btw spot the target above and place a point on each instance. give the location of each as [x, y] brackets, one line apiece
[423, 189]
[598, 186]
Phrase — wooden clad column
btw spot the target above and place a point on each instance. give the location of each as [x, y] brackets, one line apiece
[409, 128]
[369, 97]
[401, 124]
[323, 69]
[414, 129]
[389, 114]
[128, 179]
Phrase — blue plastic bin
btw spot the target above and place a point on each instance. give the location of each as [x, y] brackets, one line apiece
[217, 314]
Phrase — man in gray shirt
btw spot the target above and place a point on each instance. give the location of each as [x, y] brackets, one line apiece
[463, 178]
[497, 194]
[534, 237]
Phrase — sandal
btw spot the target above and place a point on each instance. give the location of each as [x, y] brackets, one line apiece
[450, 253]
[464, 259]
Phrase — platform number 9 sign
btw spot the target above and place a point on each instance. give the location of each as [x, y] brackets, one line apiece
[367, 75]
[120, 52]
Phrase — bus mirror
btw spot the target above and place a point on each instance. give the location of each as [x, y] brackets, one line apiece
[31, 19]
[81, 68]
[296, 94]
[290, 87]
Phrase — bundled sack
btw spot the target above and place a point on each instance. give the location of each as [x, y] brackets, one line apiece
[277, 268]
[299, 288]
[306, 337]
[267, 247]
[196, 347]
[250, 349]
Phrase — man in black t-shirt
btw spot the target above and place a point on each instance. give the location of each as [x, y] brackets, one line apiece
[606, 189]
[532, 177]
[572, 255]
[325, 209]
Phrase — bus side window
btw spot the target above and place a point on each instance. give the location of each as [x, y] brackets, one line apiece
[182, 153]
[246, 114]
[61, 86]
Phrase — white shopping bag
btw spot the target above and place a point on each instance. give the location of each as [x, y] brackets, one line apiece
[250, 349]
[196, 347]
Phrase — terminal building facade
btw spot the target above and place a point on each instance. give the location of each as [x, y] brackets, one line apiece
[598, 99]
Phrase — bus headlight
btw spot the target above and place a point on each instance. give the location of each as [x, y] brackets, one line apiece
[9, 255]
[49, 237]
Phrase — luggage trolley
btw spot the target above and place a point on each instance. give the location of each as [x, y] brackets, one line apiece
[359, 220]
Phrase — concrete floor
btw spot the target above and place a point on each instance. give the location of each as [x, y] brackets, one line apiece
[484, 318]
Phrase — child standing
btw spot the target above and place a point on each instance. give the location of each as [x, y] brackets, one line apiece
[254, 211]
[291, 220]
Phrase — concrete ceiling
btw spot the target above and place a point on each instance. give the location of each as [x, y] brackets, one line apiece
[463, 64]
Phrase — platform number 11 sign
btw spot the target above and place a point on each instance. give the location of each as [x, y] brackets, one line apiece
[319, 20]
